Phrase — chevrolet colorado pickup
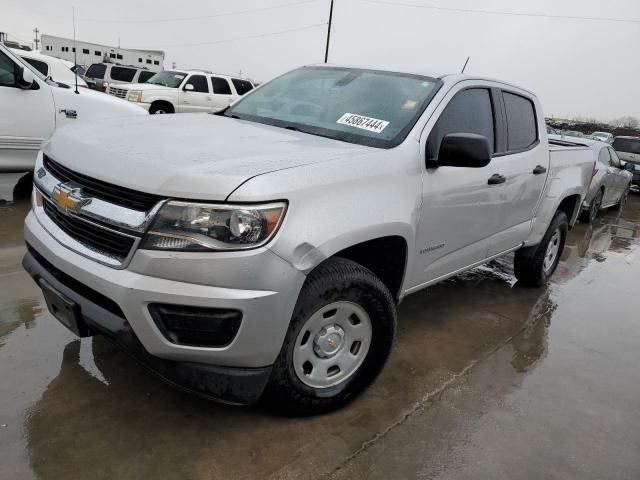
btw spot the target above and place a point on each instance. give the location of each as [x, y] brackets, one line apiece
[263, 249]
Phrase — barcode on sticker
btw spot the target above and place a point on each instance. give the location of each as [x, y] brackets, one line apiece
[365, 123]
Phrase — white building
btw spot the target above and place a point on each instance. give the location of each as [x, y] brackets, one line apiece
[89, 53]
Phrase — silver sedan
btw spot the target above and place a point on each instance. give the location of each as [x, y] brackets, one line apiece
[610, 184]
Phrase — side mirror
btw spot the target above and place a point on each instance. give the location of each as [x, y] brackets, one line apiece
[188, 87]
[629, 167]
[463, 150]
[25, 78]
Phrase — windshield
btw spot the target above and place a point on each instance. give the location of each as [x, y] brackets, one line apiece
[358, 106]
[627, 145]
[167, 79]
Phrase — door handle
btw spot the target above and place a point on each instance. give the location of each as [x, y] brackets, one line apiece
[496, 179]
[539, 169]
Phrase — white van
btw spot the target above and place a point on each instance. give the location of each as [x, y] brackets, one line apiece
[56, 69]
[33, 106]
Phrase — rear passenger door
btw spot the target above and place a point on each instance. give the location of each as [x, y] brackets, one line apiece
[222, 93]
[523, 160]
[195, 95]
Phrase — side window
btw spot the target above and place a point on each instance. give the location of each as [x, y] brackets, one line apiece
[242, 86]
[522, 131]
[199, 83]
[615, 160]
[470, 111]
[604, 156]
[39, 65]
[122, 74]
[8, 71]
[97, 70]
[144, 76]
[220, 86]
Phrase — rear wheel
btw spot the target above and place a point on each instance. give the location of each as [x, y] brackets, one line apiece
[534, 265]
[591, 214]
[339, 339]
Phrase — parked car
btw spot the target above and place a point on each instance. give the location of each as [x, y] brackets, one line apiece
[180, 91]
[628, 149]
[265, 248]
[610, 183]
[603, 136]
[100, 75]
[56, 69]
[32, 106]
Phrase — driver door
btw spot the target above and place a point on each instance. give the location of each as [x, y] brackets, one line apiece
[27, 117]
[195, 95]
[460, 208]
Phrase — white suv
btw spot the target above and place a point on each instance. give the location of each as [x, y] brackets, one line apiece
[177, 91]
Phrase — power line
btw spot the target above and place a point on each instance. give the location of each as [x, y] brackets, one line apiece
[199, 17]
[214, 42]
[497, 12]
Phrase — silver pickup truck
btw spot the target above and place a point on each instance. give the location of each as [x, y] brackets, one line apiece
[264, 249]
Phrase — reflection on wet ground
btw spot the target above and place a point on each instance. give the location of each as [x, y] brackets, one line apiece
[487, 380]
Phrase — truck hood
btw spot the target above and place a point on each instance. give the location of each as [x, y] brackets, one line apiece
[197, 156]
[145, 87]
[92, 105]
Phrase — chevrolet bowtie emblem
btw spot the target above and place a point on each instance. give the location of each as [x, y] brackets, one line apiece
[68, 198]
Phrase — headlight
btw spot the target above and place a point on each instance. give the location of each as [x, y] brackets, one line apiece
[135, 96]
[206, 227]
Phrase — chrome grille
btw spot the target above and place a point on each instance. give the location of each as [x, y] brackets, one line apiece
[93, 236]
[118, 92]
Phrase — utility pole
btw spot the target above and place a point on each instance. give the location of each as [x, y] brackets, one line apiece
[37, 39]
[326, 52]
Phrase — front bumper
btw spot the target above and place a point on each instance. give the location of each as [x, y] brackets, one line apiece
[179, 279]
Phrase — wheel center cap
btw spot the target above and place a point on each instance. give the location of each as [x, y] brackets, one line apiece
[328, 341]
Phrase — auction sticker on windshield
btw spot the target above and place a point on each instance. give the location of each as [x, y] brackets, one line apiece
[365, 123]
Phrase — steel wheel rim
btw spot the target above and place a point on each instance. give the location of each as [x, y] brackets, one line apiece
[552, 251]
[332, 344]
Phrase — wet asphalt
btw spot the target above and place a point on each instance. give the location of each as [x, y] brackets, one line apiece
[487, 380]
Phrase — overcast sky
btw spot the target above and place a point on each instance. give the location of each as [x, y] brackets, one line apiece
[577, 67]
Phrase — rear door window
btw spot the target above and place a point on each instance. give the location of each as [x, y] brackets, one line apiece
[39, 65]
[604, 156]
[241, 86]
[122, 74]
[97, 70]
[145, 75]
[199, 83]
[470, 111]
[615, 160]
[220, 86]
[522, 131]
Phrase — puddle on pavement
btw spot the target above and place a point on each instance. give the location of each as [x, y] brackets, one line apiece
[73, 408]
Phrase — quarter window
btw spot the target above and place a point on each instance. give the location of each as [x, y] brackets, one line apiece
[122, 74]
[220, 86]
[470, 111]
[199, 83]
[242, 86]
[521, 122]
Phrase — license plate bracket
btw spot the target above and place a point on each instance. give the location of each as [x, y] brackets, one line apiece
[64, 309]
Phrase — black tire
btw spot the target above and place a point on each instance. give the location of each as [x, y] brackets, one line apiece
[336, 279]
[623, 199]
[158, 108]
[23, 188]
[588, 216]
[529, 262]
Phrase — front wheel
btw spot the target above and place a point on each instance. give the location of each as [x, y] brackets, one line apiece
[534, 265]
[161, 108]
[339, 339]
[623, 199]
